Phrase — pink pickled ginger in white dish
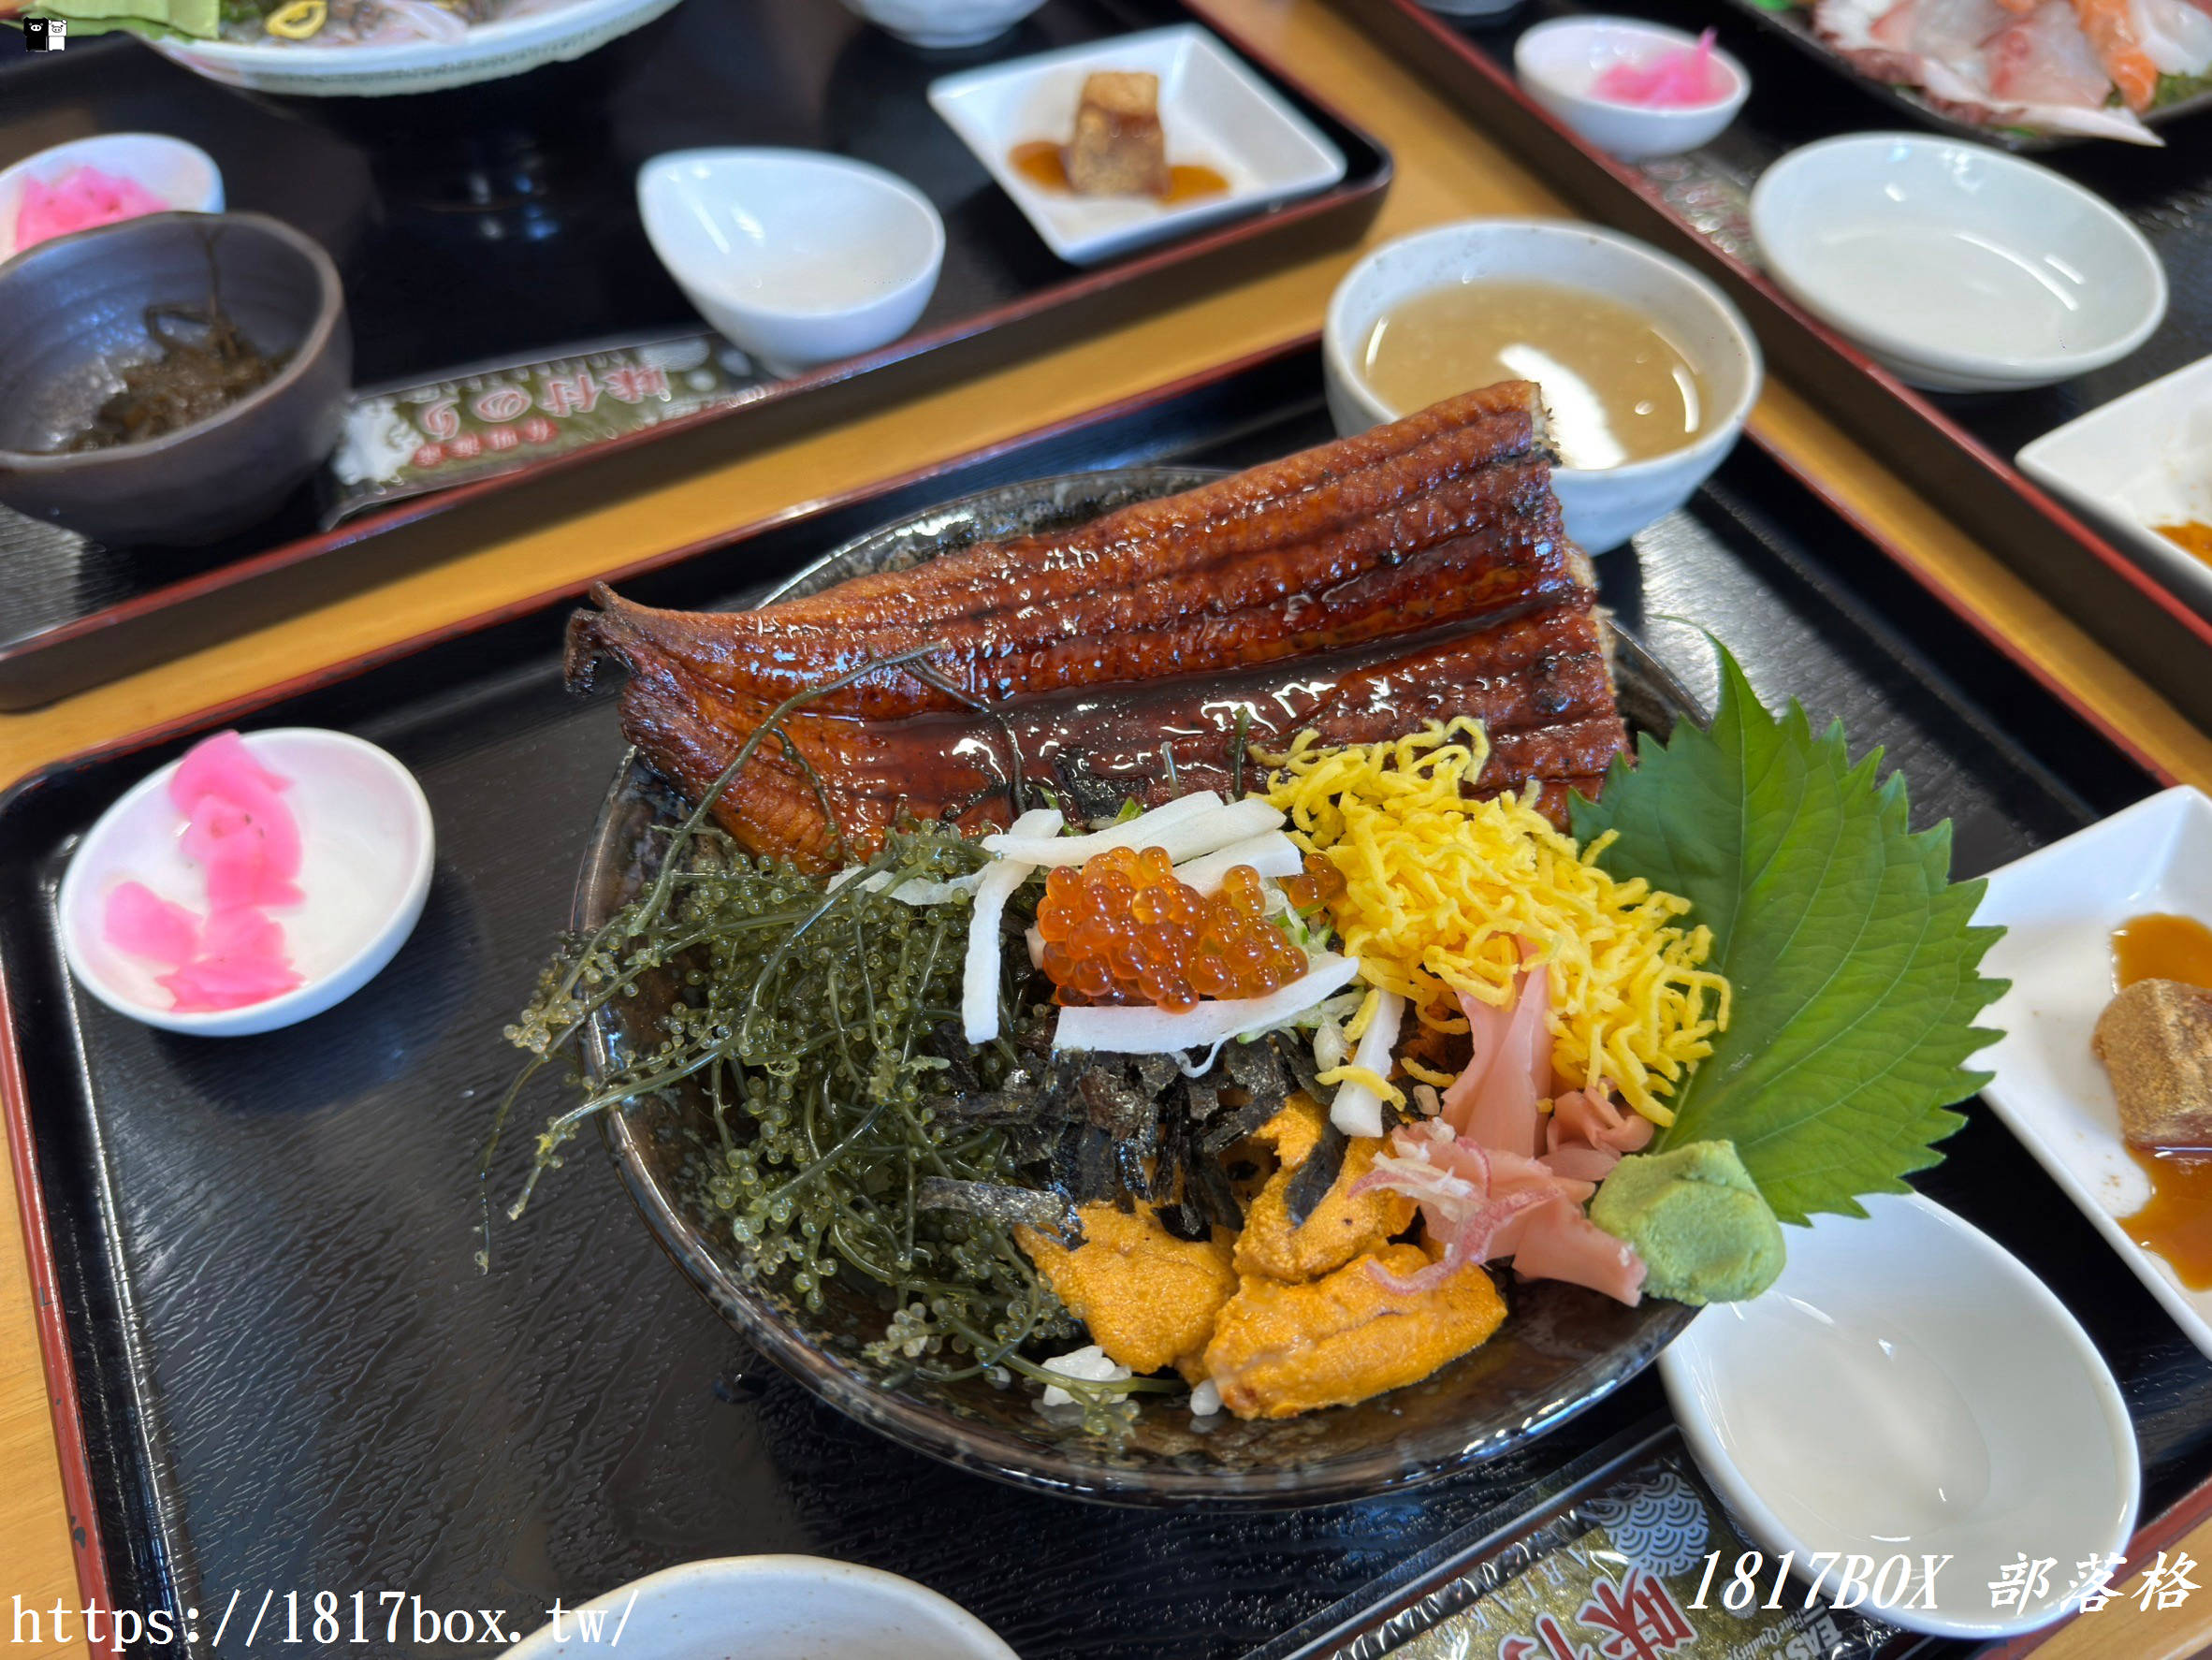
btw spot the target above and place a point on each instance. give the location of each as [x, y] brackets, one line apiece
[80, 199]
[245, 842]
[1682, 78]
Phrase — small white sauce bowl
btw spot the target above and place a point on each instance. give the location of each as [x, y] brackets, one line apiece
[769, 1608]
[1958, 267]
[183, 175]
[944, 24]
[1603, 508]
[366, 849]
[1909, 1387]
[1559, 61]
[801, 257]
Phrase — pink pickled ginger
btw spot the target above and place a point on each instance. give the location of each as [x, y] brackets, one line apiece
[1497, 1177]
[246, 843]
[1681, 78]
[77, 200]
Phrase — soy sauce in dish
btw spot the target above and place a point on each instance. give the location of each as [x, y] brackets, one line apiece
[1040, 162]
[2176, 1223]
[1618, 388]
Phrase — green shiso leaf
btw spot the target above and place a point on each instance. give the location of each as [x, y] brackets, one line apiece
[1853, 957]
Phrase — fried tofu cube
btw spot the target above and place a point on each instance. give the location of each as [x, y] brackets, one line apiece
[1339, 1228]
[1118, 148]
[2156, 1041]
[1149, 1298]
[1282, 1349]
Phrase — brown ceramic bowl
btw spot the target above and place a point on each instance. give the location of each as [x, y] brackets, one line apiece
[71, 306]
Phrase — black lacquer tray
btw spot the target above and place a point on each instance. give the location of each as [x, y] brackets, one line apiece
[500, 223]
[278, 1367]
[1957, 449]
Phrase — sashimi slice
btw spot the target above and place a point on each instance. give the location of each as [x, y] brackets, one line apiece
[2110, 24]
[2176, 37]
[2046, 58]
[1889, 41]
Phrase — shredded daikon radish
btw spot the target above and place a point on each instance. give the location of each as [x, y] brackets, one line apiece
[915, 890]
[1143, 1028]
[1357, 1107]
[1270, 853]
[979, 980]
[1185, 837]
[1097, 842]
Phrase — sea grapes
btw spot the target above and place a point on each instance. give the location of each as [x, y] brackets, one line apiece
[809, 1016]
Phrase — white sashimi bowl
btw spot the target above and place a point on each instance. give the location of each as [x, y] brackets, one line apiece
[530, 38]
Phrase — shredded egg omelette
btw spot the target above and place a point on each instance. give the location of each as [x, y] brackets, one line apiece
[1445, 893]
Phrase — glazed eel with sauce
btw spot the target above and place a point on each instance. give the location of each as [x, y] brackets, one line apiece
[1358, 590]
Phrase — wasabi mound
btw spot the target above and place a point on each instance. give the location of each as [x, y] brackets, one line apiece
[1695, 1216]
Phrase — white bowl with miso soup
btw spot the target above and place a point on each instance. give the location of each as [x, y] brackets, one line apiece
[1648, 373]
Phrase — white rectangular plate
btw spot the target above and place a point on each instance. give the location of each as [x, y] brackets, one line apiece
[2058, 905]
[2140, 461]
[1214, 110]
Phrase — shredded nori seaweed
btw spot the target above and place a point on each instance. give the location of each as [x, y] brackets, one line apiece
[1311, 1181]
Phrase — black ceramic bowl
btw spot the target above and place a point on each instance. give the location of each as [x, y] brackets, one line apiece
[70, 307]
[1561, 1349]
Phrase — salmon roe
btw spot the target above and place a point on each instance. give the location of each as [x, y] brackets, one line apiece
[1321, 884]
[1123, 929]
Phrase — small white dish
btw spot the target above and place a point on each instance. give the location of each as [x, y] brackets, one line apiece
[769, 1608]
[1559, 61]
[2137, 463]
[1603, 508]
[1214, 111]
[183, 175]
[2059, 906]
[1907, 1388]
[529, 37]
[799, 256]
[1958, 267]
[366, 849]
[943, 25]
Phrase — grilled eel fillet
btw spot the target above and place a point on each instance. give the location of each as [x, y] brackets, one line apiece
[1467, 599]
[1441, 517]
[1541, 684]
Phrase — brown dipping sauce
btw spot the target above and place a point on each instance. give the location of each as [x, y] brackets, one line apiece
[2177, 1221]
[1040, 162]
